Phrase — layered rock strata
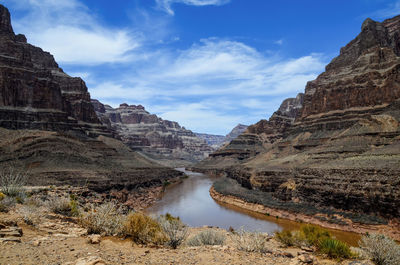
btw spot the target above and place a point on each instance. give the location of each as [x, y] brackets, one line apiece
[163, 140]
[342, 150]
[35, 93]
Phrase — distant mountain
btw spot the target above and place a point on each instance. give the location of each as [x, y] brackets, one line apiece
[216, 141]
[163, 140]
[238, 130]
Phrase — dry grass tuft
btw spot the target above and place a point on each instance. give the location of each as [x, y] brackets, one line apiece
[105, 219]
[207, 237]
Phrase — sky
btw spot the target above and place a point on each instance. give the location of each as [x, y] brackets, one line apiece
[207, 64]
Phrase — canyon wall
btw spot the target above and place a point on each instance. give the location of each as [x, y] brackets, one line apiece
[49, 128]
[162, 140]
[340, 148]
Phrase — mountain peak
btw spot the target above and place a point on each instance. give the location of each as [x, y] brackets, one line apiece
[5, 22]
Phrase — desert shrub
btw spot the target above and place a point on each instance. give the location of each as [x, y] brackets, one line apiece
[31, 213]
[207, 237]
[286, 237]
[250, 241]
[334, 248]
[144, 229]
[6, 204]
[381, 249]
[174, 229]
[313, 235]
[59, 205]
[308, 235]
[106, 219]
[12, 182]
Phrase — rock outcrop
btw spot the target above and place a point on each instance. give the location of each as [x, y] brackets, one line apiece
[163, 140]
[35, 93]
[341, 149]
[49, 128]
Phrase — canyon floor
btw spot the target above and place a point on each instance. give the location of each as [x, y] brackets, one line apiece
[57, 239]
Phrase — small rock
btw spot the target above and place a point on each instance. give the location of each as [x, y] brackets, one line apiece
[286, 254]
[94, 239]
[36, 243]
[147, 251]
[93, 260]
[307, 249]
[308, 259]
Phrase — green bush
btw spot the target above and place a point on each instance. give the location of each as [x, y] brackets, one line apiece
[285, 237]
[308, 235]
[143, 229]
[313, 234]
[207, 237]
[381, 249]
[334, 248]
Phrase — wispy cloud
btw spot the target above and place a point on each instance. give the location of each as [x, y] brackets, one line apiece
[166, 5]
[72, 33]
[391, 10]
[214, 84]
[209, 86]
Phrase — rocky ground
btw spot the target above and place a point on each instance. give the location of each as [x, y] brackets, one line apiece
[58, 239]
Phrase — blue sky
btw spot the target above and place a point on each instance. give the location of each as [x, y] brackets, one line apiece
[207, 64]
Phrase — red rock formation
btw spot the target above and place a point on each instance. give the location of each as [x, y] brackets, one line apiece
[161, 139]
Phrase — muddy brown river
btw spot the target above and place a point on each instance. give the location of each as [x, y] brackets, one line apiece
[191, 201]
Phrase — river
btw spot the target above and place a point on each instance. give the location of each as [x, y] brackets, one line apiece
[191, 201]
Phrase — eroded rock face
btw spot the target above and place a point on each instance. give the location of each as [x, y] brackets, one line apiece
[35, 93]
[250, 142]
[341, 149]
[158, 138]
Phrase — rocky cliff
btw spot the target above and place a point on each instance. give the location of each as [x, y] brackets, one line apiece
[163, 140]
[35, 93]
[341, 149]
[48, 126]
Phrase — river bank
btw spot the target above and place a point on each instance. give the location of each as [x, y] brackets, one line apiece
[392, 229]
[57, 239]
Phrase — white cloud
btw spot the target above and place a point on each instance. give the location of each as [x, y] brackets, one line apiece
[71, 32]
[214, 84]
[166, 5]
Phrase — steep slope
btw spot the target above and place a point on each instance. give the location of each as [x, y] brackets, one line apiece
[343, 149]
[256, 138]
[163, 140]
[49, 128]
